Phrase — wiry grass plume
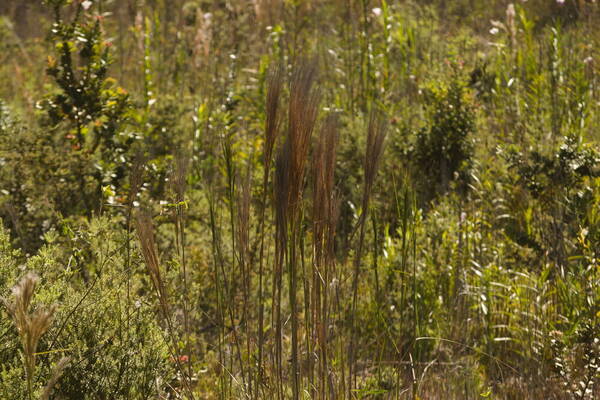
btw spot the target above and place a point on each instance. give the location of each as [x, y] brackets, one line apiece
[302, 114]
[290, 171]
[325, 216]
[271, 132]
[145, 231]
[272, 112]
[57, 372]
[30, 325]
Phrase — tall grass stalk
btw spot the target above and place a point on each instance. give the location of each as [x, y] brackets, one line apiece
[325, 215]
[272, 130]
[179, 185]
[376, 133]
[290, 171]
[231, 196]
[145, 231]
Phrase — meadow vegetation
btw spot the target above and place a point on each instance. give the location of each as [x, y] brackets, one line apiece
[283, 199]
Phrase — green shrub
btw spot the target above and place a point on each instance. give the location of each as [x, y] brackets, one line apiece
[105, 325]
[444, 148]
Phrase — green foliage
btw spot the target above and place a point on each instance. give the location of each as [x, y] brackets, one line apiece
[82, 138]
[444, 149]
[88, 107]
[564, 171]
[105, 327]
[87, 100]
[579, 379]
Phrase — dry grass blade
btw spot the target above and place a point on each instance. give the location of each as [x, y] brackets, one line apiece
[325, 211]
[281, 187]
[324, 201]
[56, 374]
[289, 181]
[324, 171]
[38, 324]
[30, 326]
[243, 231]
[273, 117]
[376, 133]
[22, 294]
[303, 109]
[272, 130]
[145, 231]
[302, 117]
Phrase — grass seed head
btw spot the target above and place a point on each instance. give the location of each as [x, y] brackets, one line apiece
[273, 117]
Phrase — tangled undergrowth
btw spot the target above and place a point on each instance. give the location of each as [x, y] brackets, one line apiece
[299, 199]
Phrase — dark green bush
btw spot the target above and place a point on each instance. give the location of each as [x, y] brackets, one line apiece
[444, 148]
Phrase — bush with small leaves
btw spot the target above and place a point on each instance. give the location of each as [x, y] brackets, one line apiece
[444, 148]
[105, 325]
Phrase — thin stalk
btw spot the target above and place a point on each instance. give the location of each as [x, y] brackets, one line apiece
[217, 259]
[376, 132]
[272, 125]
[179, 182]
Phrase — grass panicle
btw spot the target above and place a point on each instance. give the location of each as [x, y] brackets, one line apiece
[31, 325]
[325, 216]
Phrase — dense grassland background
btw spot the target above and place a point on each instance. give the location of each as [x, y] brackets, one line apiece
[278, 199]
